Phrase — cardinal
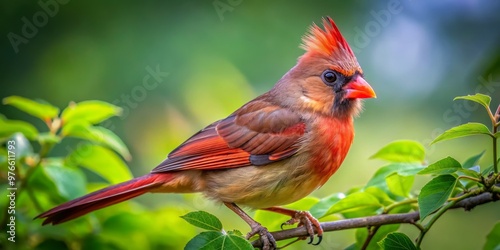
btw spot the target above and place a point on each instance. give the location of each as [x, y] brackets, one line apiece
[274, 150]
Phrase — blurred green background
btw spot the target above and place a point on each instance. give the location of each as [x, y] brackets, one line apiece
[213, 56]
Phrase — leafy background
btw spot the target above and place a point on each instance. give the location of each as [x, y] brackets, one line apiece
[417, 61]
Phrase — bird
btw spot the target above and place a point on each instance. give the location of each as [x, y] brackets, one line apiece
[272, 151]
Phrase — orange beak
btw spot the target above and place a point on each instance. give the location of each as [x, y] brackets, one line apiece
[359, 88]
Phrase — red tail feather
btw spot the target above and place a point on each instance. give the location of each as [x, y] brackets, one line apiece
[103, 198]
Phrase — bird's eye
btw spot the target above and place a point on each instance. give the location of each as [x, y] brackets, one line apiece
[330, 77]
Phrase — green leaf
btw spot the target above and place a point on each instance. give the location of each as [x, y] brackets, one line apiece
[468, 172]
[9, 127]
[19, 145]
[434, 194]
[493, 238]
[89, 111]
[497, 134]
[303, 204]
[352, 247]
[473, 161]
[403, 169]
[48, 138]
[487, 171]
[447, 165]
[99, 135]
[378, 193]
[402, 208]
[69, 181]
[110, 139]
[479, 98]
[410, 169]
[358, 203]
[319, 209]
[397, 241]
[44, 185]
[401, 151]
[101, 161]
[471, 128]
[203, 220]
[400, 185]
[378, 179]
[218, 240]
[235, 232]
[41, 110]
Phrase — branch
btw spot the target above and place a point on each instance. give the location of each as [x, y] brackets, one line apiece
[377, 220]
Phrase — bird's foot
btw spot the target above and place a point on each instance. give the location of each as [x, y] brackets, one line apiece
[305, 219]
[268, 242]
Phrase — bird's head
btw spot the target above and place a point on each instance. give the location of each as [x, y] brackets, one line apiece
[327, 78]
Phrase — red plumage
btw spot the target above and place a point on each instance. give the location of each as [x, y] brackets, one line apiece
[327, 41]
[273, 150]
[103, 198]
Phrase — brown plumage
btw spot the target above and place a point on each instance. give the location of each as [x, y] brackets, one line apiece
[272, 151]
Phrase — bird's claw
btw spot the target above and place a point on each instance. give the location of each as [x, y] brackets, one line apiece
[305, 219]
[320, 238]
[268, 241]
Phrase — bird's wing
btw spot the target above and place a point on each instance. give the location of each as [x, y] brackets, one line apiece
[257, 134]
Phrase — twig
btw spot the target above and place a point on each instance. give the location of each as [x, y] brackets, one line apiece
[371, 232]
[378, 220]
[439, 213]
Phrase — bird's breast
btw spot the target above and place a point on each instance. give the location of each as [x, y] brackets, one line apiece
[330, 141]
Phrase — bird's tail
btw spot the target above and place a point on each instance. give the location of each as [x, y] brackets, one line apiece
[104, 197]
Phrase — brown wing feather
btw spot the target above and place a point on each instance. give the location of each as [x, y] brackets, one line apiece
[256, 134]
